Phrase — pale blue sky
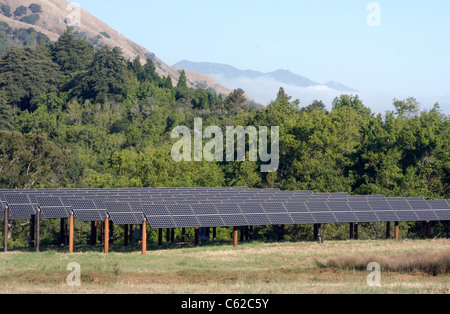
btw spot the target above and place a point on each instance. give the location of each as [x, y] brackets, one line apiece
[408, 55]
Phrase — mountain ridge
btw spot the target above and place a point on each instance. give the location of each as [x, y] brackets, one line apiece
[54, 20]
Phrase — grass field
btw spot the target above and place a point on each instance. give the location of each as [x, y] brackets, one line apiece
[252, 268]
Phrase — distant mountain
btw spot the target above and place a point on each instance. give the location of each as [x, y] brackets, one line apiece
[54, 16]
[263, 86]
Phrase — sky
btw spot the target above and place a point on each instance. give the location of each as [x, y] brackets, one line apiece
[405, 54]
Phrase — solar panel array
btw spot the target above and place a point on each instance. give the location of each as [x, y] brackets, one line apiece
[217, 207]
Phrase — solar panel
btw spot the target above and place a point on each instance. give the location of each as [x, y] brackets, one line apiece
[324, 217]
[248, 208]
[54, 212]
[204, 209]
[273, 208]
[380, 205]
[258, 219]
[399, 205]
[16, 198]
[210, 221]
[228, 209]
[345, 217]
[117, 207]
[339, 206]
[234, 220]
[386, 216]
[186, 221]
[407, 215]
[426, 215]
[157, 222]
[180, 210]
[302, 218]
[280, 219]
[366, 216]
[419, 205]
[439, 205]
[124, 218]
[88, 215]
[299, 207]
[82, 204]
[360, 206]
[21, 211]
[443, 215]
[317, 207]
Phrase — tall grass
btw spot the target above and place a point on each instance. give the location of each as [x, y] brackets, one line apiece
[432, 263]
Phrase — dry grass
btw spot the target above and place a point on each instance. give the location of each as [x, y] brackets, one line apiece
[291, 268]
[431, 263]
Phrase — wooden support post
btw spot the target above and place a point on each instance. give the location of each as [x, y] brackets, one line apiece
[352, 230]
[38, 230]
[125, 235]
[197, 230]
[5, 231]
[427, 233]
[235, 236]
[160, 236]
[388, 230]
[397, 231]
[144, 237]
[93, 233]
[356, 231]
[32, 232]
[71, 233]
[106, 236]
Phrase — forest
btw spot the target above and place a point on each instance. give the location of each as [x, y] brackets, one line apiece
[74, 116]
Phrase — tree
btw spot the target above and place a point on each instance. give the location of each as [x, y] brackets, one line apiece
[35, 8]
[20, 11]
[26, 73]
[30, 19]
[6, 114]
[350, 101]
[236, 100]
[71, 53]
[106, 76]
[6, 9]
[315, 105]
[182, 82]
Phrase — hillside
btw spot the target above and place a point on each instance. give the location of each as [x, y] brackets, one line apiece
[56, 15]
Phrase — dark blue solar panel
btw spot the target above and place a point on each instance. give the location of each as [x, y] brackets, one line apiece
[88, 215]
[117, 207]
[228, 209]
[258, 219]
[360, 206]
[234, 220]
[339, 206]
[407, 215]
[54, 212]
[186, 221]
[16, 198]
[317, 206]
[210, 221]
[204, 209]
[302, 218]
[248, 208]
[366, 216]
[380, 205]
[280, 219]
[324, 217]
[443, 215]
[346, 217]
[387, 216]
[273, 208]
[419, 205]
[439, 205]
[157, 222]
[426, 215]
[124, 218]
[21, 211]
[295, 207]
[180, 210]
[398, 205]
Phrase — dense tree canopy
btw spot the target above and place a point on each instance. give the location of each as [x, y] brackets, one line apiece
[74, 117]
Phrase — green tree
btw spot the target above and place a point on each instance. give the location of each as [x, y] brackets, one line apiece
[149, 73]
[35, 8]
[106, 76]
[71, 53]
[6, 9]
[25, 74]
[20, 11]
[182, 82]
[6, 114]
